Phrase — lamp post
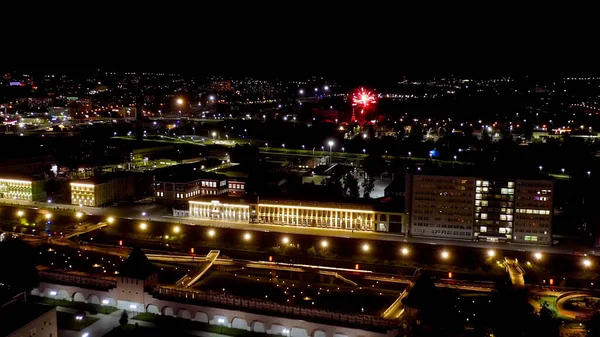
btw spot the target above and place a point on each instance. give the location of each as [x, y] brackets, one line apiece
[104, 304]
[330, 147]
[221, 321]
[53, 294]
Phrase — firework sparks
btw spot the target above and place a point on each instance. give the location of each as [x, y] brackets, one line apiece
[363, 98]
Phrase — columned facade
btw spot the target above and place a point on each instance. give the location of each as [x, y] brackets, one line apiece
[218, 211]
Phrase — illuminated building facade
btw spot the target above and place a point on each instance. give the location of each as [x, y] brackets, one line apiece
[442, 206]
[297, 213]
[494, 209]
[181, 185]
[103, 190]
[484, 209]
[22, 189]
[533, 211]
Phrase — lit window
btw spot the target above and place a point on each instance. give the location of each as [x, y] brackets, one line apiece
[483, 229]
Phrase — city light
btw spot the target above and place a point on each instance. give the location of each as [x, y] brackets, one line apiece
[179, 101]
[105, 302]
[324, 243]
[366, 247]
[110, 219]
[285, 240]
[53, 293]
[491, 253]
[538, 256]
[404, 251]
[48, 216]
[301, 91]
[247, 236]
[445, 255]
[211, 233]
[587, 263]
[20, 213]
[176, 229]
[78, 215]
[143, 226]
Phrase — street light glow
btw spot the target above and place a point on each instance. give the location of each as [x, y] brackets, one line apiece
[105, 302]
[176, 229]
[587, 263]
[404, 251]
[20, 213]
[143, 226]
[445, 255]
[366, 247]
[78, 215]
[538, 256]
[48, 216]
[491, 253]
[211, 233]
[110, 219]
[247, 236]
[285, 240]
[53, 293]
[179, 101]
[324, 243]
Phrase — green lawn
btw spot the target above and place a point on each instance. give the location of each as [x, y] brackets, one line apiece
[131, 330]
[178, 325]
[67, 321]
[75, 305]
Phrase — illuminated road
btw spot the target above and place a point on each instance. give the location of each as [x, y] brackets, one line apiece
[156, 213]
[570, 313]
[516, 272]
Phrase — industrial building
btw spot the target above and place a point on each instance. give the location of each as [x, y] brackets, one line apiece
[104, 189]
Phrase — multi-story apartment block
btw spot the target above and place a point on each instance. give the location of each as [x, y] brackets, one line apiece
[485, 209]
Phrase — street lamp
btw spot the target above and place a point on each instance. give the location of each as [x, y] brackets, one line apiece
[48, 216]
[445, 255]
[587, 263]
[211, 233]
[285, 240]
[366, 247]
[221, 322]
[538, 256]
[143, 226]
[53, 293]
[301, 91]
[110, 219]
[105, 303]
[404, 251]
[179, 101]
[247, 236]
[214, 134]
[78, 215]
[562, 170]
[540, 167]
[286, 331]
[283, 146]
[324, 243]
[20, 213]
[330, 146]
[176, 229]
[143, 213]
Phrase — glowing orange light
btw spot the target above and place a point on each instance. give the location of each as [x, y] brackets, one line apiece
[449, 274]
[363, 98]
[120, 242]
[270, 259]
[551, 281]
[357, 266]
[192, 250]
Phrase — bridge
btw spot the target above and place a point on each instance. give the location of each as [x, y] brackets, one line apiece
[515, 272]
[195, 274]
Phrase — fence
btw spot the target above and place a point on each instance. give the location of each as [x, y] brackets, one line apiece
[269, 307]
[79, 280]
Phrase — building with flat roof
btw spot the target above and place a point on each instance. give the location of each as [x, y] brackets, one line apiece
[22, 187]
[349, 216]
[181, 183]
[493, 209]
[19, 318]
[104, 189]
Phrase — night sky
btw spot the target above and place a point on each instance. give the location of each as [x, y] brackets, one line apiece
[369, 40]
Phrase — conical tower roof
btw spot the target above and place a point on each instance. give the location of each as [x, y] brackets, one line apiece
[137, 265]
[421, 292]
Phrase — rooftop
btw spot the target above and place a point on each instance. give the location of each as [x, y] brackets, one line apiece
[17, 314]
[137, 265]
[104, 178]
[185, 173]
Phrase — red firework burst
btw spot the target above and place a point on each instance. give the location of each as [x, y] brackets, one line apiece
[363, 98]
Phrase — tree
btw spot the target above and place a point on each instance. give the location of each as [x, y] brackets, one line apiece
[368, 185]
[549, 326]
[19, 273]
[334, 186]
[124, 318]
[351, 186]
[374, 165]
[593, 325]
